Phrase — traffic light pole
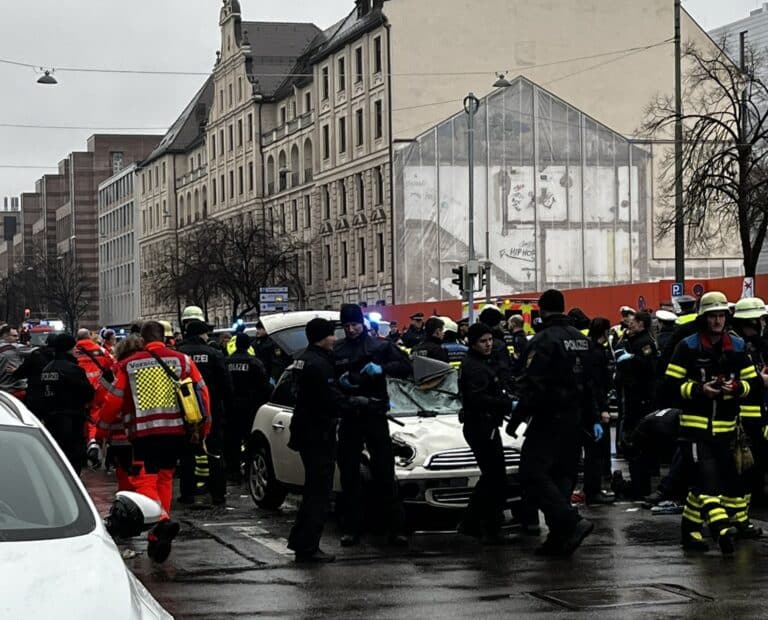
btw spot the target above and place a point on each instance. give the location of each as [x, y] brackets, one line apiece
[471, 103]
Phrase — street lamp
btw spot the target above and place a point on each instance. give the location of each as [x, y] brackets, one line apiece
[47, 78]
[471, 105]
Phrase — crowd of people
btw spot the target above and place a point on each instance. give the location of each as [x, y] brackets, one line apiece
[688, 388]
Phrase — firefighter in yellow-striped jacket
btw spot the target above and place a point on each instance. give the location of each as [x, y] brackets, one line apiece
[711, 376]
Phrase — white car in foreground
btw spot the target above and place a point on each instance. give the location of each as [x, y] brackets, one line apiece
[56, 558]
[433, 464]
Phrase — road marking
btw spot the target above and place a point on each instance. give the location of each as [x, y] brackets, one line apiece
[256, 534]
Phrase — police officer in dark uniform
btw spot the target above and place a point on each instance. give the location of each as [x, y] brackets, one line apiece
[31, 369]
[502, 344]
[432, 345]
[519, 340]
[272, 356]
[415, 332]
[197, 460]
[636, 380]
[319, 404]
[251, 390]
[485, 404]
[362, 365]
[556, 394]
[65, 394]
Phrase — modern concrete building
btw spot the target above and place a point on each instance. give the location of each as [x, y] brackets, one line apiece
[118, 250]
[60, 217]
[299, 127]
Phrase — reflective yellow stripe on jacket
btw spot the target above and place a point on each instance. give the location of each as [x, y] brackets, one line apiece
[750, 411]
[694, 421]
[675, 371]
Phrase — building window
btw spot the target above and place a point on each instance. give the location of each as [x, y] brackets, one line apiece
[326, 193]
[307, 102]
[342, 187]
[229, 95]
[240, 184]
[239, 89]
[308, 268]
[358, 65]
[307, 211]
[342, 75]
[380, 251]
[163, 173]
[221, 99]
[379, 127]
[377, 55]
[361, 256]
[326, 142]
[360, 127]
[342, 135]
[157, 178]
[221, 142]
[325, 84]
[295, 215]
[282, 219]
[344, 260]
[240, 132]
[250, 176]
[293, 109]
[328, 271]
[222, 189]
[143, 182]
[250, 128]
[283, 115]
[360, 192]
[379, 186]
[231, 132]
[213, 191]
[231, 183]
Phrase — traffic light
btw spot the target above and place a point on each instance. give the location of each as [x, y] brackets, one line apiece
[461, 278]
[483, 276]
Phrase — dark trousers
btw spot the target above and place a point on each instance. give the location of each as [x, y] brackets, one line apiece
[484, 514]
[67, 430]
[319, 461]
[237, 429]
[548, 470]
[190, 457]
[597, 458]
[372, 431]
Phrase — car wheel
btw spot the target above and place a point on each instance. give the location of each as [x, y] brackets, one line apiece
[264, 488]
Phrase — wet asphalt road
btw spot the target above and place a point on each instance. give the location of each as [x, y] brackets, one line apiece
[233, 562]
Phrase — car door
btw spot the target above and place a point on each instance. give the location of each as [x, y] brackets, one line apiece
[286, 462]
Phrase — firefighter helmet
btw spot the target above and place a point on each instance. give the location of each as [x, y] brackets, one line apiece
[714, 301]
[192, 313]
[749, 308]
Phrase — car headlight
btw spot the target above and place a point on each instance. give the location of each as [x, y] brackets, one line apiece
[404, 452]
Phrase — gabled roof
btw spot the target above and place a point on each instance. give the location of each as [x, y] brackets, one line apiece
[326, 43]
[188, 129]
[275, 50]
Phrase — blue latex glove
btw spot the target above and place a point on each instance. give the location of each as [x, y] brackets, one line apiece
[597, 429]
[346, 383]
[372, 369]
[624, 357]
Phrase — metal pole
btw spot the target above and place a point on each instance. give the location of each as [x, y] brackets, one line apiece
[470, 107]
[679, 221]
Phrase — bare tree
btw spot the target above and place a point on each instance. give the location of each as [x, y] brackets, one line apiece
[68, 292]
[725, 166]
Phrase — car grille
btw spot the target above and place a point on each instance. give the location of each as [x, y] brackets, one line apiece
[462, 458]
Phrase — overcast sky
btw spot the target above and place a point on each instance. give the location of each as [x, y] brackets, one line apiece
[177, 35]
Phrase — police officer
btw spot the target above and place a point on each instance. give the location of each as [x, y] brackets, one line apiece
[64, 398]
[516, 325]
[456, 351]
[463, 325]
[313, 434]
[210, 362]
[251, 390]
[485, 404]
[231, 344]
[666, 320]
[636, 381]
[491, 316]
[272, 356]
[362, 366]
[432, 345]
[712, 376]
[556, 394]
[415, 332]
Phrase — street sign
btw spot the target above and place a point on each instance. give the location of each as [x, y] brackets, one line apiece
[698, 289]
[272, 297]
[677, 289]
[274, 290]
[748, 288]
[273, 307]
